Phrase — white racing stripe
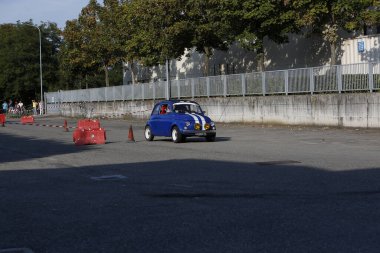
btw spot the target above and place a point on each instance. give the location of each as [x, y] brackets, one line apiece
[194, 117]
[202, 119]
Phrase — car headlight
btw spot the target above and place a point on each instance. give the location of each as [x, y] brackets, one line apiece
[197, 126]
[207, 126]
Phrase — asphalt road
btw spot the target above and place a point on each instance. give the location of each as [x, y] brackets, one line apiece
[256, 189]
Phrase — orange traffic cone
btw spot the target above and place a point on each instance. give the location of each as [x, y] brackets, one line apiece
[130, 134]
[65, 126]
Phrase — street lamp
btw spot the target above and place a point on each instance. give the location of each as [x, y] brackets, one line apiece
[39, 35]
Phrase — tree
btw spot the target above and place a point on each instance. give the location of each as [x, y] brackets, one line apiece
[211, 26]
[90, 42]
[327, 17]
[261, 19]
[160, 30]
[371, 16]
[20, 63]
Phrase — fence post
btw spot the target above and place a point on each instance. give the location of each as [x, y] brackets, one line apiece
[208, 86]
[142, 92]
[192, 88]
[243, 85]
[113, 92]
[179, 88]
[133, 92]
[105, 94]
[154, 90]
[286, 82]
[311, 77]
[339, 78]
[224, 85]
[263, 82]
[370, 76]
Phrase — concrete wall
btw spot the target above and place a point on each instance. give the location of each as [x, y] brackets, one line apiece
[346, 110]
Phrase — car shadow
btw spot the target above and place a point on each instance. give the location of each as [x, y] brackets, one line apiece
[195, 139]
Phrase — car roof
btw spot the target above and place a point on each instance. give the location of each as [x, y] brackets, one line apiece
[174, 101]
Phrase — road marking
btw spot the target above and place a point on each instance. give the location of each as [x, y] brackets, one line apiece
[108, 177]
[269, 163]
[182, 185]
[16, 250]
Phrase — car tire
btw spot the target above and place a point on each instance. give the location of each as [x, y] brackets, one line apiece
[176, 135]
[210, 138]
[148, 134]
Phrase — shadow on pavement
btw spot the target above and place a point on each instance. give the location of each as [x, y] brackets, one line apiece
[190, 206]
[17, 148]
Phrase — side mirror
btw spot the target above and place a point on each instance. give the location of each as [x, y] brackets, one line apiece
[204, 112]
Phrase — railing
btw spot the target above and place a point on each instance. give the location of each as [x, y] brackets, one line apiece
[325, 79]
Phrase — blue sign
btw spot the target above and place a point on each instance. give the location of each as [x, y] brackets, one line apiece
[361, 47]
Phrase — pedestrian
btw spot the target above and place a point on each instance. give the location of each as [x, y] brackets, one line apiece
[10, 105]
[5, 107]
[20, 107]
[41, 107]
[34, 104]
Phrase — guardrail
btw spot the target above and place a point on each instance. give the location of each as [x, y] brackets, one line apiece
[324, 79]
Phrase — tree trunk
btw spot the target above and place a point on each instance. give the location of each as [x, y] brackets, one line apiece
[208, 54]
[133, 74]
[106, 75]
[333, 53]
[260, 59]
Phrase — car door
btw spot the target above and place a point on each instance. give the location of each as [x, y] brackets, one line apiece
[160, 120]
[154, 120]
[166, 121]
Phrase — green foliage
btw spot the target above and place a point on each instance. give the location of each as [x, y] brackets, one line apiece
[159, 30]
[94, 46]
[91, 43]
[20, 60]
[329, 16]
[265, 18]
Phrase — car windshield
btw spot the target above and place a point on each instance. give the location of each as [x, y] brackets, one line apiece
[187, 108]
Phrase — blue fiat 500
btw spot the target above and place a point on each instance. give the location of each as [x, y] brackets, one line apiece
[179, 119]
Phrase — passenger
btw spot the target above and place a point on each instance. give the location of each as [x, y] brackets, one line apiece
[163, 109]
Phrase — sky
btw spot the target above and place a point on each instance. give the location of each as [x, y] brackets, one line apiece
[57, 11]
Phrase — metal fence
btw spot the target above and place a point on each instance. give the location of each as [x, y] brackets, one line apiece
[324, 79]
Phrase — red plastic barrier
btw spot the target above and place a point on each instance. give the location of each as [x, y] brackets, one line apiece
[89, 123]
[82, 136]
[2, 119]
[27, 120]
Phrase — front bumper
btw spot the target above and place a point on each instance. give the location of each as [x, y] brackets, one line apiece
[199, 132]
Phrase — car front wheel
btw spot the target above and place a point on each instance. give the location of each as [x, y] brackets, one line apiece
[176, 135]
[148, 134]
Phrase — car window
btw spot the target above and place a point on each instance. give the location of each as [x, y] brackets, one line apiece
[187, 108]
[156, 110]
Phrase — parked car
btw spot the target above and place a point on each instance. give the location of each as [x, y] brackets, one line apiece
[179, 119]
